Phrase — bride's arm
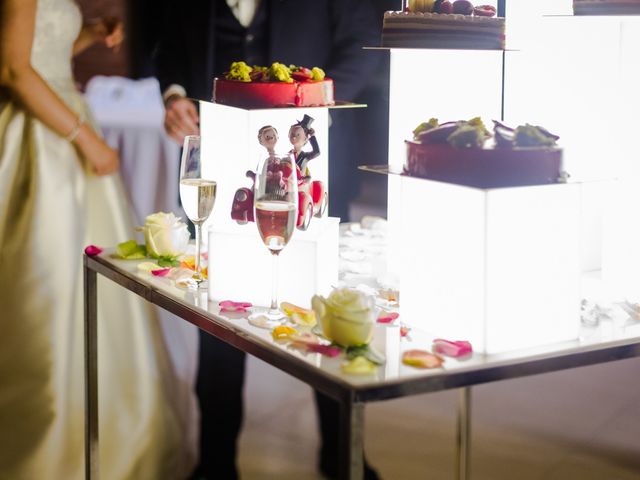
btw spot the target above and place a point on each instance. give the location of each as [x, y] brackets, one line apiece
[17, 23]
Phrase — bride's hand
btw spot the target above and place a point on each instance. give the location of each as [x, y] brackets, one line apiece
[101, 157]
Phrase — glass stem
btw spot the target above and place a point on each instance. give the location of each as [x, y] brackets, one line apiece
[274, 283]
[198, 247]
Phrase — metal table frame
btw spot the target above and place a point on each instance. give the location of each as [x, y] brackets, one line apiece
[351, 398]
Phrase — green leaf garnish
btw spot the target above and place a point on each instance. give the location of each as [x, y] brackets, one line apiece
[365, 351]
[131, 250]
[168, 262]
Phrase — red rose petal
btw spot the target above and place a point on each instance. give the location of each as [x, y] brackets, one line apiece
[93, 250]
[161, 272]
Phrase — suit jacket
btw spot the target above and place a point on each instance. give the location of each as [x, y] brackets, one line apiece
[328, 34]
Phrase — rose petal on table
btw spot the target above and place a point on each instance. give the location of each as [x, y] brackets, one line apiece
[455, 349]
[404, 330]
[326, 350]
[422, 359]
[93, 250]
[231, 305]
[283, 332]
[387, 317]
[299, 315]
[305, 339]
[358, 366]
[147, 267]
[161, 272]
[260, 321]
[188, 262]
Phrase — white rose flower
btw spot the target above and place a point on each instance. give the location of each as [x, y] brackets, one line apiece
[346, 316]
[165, 235]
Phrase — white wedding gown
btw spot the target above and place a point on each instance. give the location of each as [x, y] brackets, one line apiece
[50, 209]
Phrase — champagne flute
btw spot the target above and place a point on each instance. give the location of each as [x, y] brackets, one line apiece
[198, 194]
[276, 211]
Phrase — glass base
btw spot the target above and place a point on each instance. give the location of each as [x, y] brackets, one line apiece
[267, 318]
[193, 283]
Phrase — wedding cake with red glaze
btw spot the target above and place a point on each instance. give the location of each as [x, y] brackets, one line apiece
[444, 24]
[275, 86]
[606, 7]
[462, 153]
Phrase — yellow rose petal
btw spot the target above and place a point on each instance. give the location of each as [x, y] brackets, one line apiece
[358, 366]
[283, 332]
[147, 266]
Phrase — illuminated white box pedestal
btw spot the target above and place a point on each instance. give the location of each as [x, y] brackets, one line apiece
[230, 147]
[621, 240]
[240, 265]
[498, 267]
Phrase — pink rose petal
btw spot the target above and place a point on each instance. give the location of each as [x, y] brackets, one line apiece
[232, 304]
[93, 250]
[404, 330]
[387, 317]
[326, 350]
[161, 272]
[455, 349]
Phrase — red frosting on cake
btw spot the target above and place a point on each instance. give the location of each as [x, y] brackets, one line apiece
[484, 167]
[273, 94]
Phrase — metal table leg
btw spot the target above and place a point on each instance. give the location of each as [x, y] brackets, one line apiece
[463, 447]
[350, 466]
[90, 374]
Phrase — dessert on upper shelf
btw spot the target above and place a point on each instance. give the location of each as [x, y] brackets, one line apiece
[275, 86]
[444, 24]
[466, 153]
[606, 7]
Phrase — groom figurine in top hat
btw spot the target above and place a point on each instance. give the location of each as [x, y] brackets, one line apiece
[198, 43]
[300, 134]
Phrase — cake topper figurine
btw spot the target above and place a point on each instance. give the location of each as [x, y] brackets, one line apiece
[312, 195]
[268, 137]
[299, 134]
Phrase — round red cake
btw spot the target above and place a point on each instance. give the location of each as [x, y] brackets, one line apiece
[485, 167]
[273, 94]
[459, 152]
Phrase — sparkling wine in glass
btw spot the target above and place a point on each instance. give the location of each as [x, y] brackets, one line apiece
[197, 194]
[276, 209]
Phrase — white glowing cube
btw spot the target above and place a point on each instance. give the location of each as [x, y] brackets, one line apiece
[497, 267]
[230, 147]
[241, 266]
[449, 85]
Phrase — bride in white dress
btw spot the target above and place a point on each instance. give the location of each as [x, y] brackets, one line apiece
[57, 195]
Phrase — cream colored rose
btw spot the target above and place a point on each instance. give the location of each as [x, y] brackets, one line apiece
[346, 316]
[165, 235]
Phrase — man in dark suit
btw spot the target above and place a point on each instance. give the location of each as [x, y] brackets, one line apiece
[198, 41]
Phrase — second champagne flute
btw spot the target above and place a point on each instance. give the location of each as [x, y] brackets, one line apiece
[276, 209]
[198, 194]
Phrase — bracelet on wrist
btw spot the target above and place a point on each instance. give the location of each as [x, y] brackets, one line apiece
[73, 134]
